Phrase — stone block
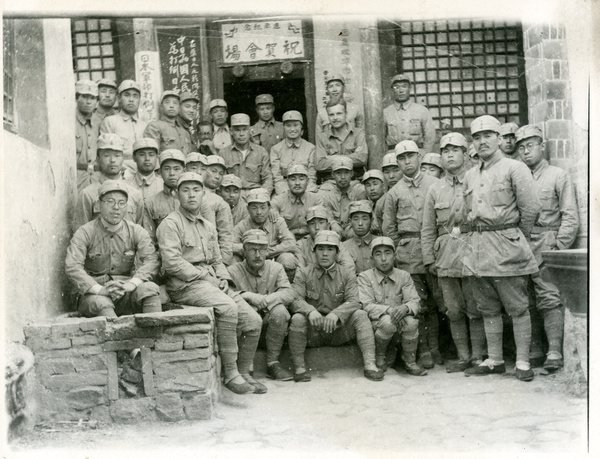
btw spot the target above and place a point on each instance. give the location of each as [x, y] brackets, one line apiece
[68, 327]
[95, 324]
[540, 111]
[133, 410]
[147, 371]
[532, 52]
[80, 351]
[556, 89]
[168, 347]
[38, 331]
[169, 407]
[192, 341]
[87, 397]
[101, 413]
[124, 328]
[75, 380]
[558, 129]
[85, 340]
[199, 365]
[127, 344]
[536, 34]
[177, 378]
[554, 49]
[180, 356]
[174, 317]
[56, 367]
[193, 328]
[198, 406]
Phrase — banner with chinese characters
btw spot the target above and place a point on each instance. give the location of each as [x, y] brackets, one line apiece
[147, 74]
[262, 41]
[180, 59]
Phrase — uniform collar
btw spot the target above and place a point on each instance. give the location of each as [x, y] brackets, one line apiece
[403, 105]
[142, 180]
[539, 169]
[183, 123]
[454, 179]
[109, 227]
[224, 128]
[172, 122]
[169, 191]
[264, 226]
[331, 271]
[191, 217]
[264, 124]
[293, 198]
[349, 128]
[250, 146]
[127, 117]
[360, 241]
[295, 144]
[414, 181]
[380, 277]
[260, 272]
[82, 119]
[496, 156]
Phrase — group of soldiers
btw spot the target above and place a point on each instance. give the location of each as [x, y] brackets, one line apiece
[286, 238]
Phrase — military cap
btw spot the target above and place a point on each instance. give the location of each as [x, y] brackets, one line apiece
[529, 130]
[110, 142]
[434, 159]
[485, 123]
[107, 82]
[508, 128]
[216, 103]
[382, 240]
[240, 119]
[189, 177]
[373, 173]
[264, 99]
[171, 153]
[406, 146]
[401, 77]
[389, 159]
[297, 169]
[188, 96]
[258, 195]
[232, 180]
[169, 93]
[335, 77]
[195, 157]
[341, 162]
[215, 160]
[129, 84]
[292, 115]
[255, 236]
[112, 185]
[327, 237]
[316, 212]
[360, 206]
[454, 138]
[145, 143]
[87, 87]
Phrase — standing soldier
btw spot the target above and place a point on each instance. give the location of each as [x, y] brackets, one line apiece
[402, 222]
[218, 115]
[166, 130]
[359, 246]
[326, 310]
[245, 159]
[197, 277]
[374, 183]
[443, 240]
[293, 149]
[407, 120]
[264, 285]
[101, 266]
[86, 96]
[502, 207]
[230, 191]
[508, 141]
[107, 96]
[389, 297]
[188, 112]
[555, 229]
[266, 132]
[334, 87]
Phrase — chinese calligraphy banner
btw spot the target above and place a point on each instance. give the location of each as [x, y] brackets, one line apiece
[262, 41]
[147, 74]
[180, 59]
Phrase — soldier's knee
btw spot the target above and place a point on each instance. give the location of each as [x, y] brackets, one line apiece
[279, 314]
[385, 326]
[96, 305]
[360, 317]
[146, 290]
[410, 324]
[298, 323]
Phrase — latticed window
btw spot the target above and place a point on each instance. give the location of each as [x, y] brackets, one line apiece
[8, 67]
[465, 69]
[94, 49]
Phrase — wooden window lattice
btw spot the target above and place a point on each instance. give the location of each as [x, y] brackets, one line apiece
[94, 49]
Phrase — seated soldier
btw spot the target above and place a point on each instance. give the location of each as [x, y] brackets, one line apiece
[326, 310]
[374, 183]
[265, 286]
[317, 219]
[390, 298]
[110, 161]
[282, 244]
[432, 165]
[359, 245]
[167, 130]
[293, 149]
[230, 191]
[293, 204]
[191, 259]
[101, 266]
[195, 162]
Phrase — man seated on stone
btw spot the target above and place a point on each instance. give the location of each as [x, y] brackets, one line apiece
[374, 183]
[432, 165]
[359, 245]
[230, 191]
[282, 244]
[390, 298]
[167, 130]
[326, 310]
[197, 276]
[265, 286]
[100, 260]
[293, 149]
[110, 162]
[293, 203]
[195, 162]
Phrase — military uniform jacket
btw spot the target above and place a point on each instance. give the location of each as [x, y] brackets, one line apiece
[500, 192]
[353, 145]
[169, 134]
[306, 254]
[86, 135]
[333, 290]
[409, 121]
[442, 244]
[377, 292]
[404, 214]
[354, 118]
[270, 280]
[280, 237]
[254, 169]
[294, 208]
[360, 251]
[239, 212]
[158, 207]
[148, 186]
[287, 153]
[338, 203]
[267, 133]
[217, 211]
[189, 249]
[97, 253]
[129, 128]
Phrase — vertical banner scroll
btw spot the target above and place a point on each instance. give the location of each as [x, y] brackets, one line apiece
[147, 74]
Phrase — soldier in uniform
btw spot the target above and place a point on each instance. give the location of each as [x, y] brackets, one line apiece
[389, 297]
[86, 96]
[230, 191]
[188, 112]
[359, 245]
[508, 141]
[390, 169]
[218, 115]
[407, 120]
[327, 311]
[100, 260]
[402, 222]
[375, 189]
[191, 259]
[264, 285]
[294, 203]
[432, 165]
[334, 87]
[443, 240]
[266, 132]
[195, 162]
[205, 138]
[167, 130]
[501, 205]
[293, 149]
[245, 159]
[555, 229]
[107, 96]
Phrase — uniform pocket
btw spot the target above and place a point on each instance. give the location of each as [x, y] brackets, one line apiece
[548, 199]
[97, 262]
[169, 141]
[502, 195]
[253, 173]
[414, 127]
[404, 208]
[442, 212]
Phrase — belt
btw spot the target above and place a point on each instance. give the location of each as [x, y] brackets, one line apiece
[544, 229]
[84, 167]
[482, 228]
[410, 235]
[455, 230]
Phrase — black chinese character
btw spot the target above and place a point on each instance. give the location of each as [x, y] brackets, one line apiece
[252, 48]
[232, 52]
[271, 49]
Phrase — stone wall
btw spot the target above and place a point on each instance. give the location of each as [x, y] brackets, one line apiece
[85, 370]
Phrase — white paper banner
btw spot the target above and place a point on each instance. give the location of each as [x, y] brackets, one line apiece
[147, 74]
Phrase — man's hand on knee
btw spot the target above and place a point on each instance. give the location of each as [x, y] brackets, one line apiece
[397, 313]
[330, 322]
[316, 320]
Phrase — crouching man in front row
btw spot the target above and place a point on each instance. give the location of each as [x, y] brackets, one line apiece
[327, 311]
[100, 260]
